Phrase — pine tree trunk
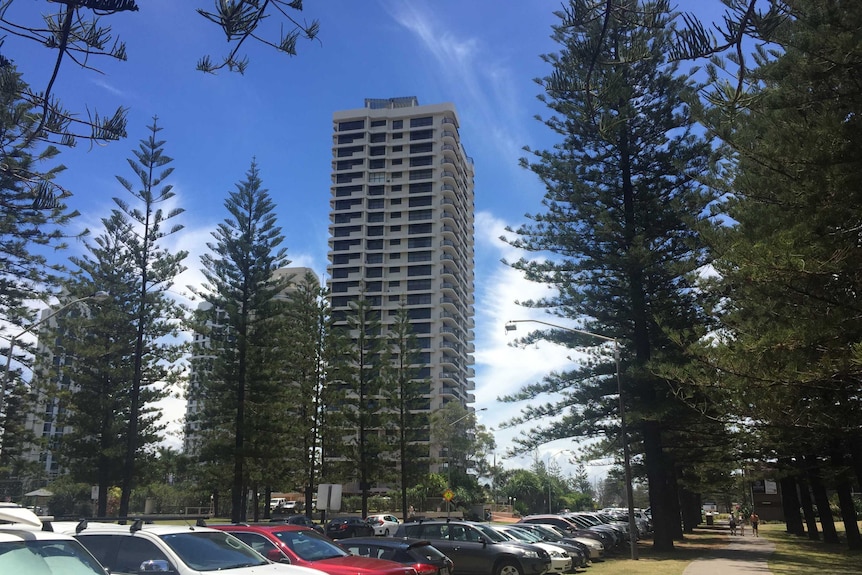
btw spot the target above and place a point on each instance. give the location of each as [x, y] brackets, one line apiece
[845, 499]
[808, 508]
[821, 499]
[790, 502]
[659, 493]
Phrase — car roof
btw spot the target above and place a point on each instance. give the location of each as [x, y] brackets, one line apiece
[400, 542]
[88, 527]
[260, 527]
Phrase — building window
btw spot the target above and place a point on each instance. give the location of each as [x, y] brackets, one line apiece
[397, 148]
[395, 229]
[377, 177]
[416, 229]
[419, 122]
[418, 271]
[423, 148]
[374, 272]
[421, 161]
[397, 124]
[419, 242]
[420, 215]
[397, 135]
[395, 256]
[376, 190]
[396, 242]
[419, 285]
[376, 203]
[378, 123]
[375, 230]
[395, 270]
[377, 164]
[352, 125]
[421, 201]
[419, 256]
[421, 135]
[377, 151]
[374, 258]
[421, 174]
[376, 217]
[374, 244]
[395, 162]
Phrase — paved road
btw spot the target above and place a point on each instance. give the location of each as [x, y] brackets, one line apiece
[745, 555]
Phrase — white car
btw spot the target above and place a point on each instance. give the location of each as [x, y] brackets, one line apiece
[27, 550]
[384, 524]
[561, 561]
[175, 549]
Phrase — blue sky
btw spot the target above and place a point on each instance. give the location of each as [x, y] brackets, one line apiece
[481, 55]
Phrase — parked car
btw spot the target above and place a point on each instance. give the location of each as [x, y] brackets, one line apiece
[571, 527]
[176, 549]
[476, 548]
[384, 524]
[421, 555]
[303, 546]
[25, 549]
[561, 561]
[341, 527]
[592, 547]
[300, 520]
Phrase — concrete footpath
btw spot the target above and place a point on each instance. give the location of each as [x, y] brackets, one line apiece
[745, 555]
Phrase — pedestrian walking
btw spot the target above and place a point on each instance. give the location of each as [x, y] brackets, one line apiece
[732, 524]
[741, 523]
[755, 522]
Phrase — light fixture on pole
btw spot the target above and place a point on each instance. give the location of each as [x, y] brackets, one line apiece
[7, 376]
[449, 455]
[510, 326]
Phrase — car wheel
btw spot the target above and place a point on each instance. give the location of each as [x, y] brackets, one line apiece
[507, 567]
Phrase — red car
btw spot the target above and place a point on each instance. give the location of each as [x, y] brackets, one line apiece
[303, 546]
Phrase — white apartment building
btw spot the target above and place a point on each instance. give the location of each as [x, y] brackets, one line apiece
[402, 226]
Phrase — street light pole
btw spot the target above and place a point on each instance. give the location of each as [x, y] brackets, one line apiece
[7, 376]
[510, 326]
[449, 455]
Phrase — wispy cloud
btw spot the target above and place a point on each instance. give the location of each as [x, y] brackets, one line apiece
[485, 86]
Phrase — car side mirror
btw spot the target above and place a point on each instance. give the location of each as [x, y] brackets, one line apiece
[155, 566]
[276, 556]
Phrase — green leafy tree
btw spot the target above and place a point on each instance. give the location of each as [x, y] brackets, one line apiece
[406, 402]
[74, 30]
[91, 385]
[365, 408]
[619, 234]
[790, 257]
[156, 316]
[242, 312]
[306, 328]
[32, 217]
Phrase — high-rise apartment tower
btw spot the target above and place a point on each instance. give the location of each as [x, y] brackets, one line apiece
[401, 227]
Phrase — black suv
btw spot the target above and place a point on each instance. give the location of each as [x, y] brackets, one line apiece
[477, 549]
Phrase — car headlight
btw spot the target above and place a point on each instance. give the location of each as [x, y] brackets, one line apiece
[531, 554]
[555, 553]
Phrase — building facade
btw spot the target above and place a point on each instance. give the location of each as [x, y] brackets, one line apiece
[402, 230]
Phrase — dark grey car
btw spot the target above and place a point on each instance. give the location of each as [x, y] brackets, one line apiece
[478, 549]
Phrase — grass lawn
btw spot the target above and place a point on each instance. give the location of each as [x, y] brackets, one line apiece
[793, 555]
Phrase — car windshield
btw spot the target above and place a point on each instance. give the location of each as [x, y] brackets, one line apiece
[522, 535]
[47, 558]
[212, 550]
[550, 533]
[310, 546]
[492, 533]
